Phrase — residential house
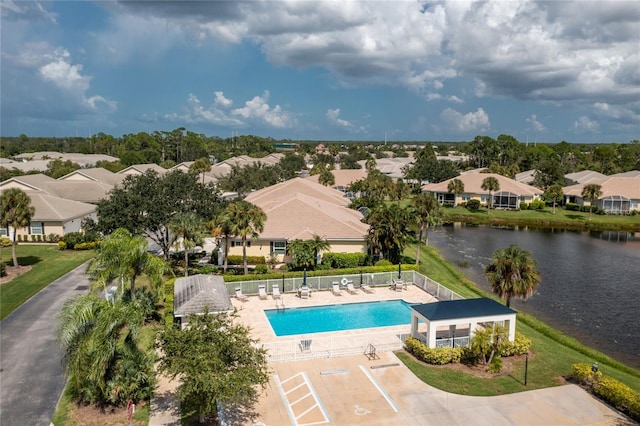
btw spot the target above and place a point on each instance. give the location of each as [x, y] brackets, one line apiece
[343, 178]
[509, 196]
[140, 169]
[620, 193]
[299, 209]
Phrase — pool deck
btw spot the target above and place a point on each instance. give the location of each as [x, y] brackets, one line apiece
[252, 311]
[354, 390]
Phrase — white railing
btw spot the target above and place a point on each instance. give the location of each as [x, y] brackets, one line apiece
[333, 345]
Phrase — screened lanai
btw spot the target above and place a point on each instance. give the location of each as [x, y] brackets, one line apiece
[505, 200]
[615, 204]
[444, 319]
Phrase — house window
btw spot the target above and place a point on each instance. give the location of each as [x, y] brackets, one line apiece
[4, 231]
[466, 197]
[238, 243]
[37, 228]
[278, 247]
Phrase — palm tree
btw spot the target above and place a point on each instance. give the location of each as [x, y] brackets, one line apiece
[16, 213]
[301, 253]
[326, 178]
[427, 212]
[221, 226]
[201, 165]
[188, 228]
[99, 340]
[490, 184]
[247, 220]
[370, 164]
[318, 244]
[400, 190]
[554, 193]
[124, 256]
[456, 186]
[390, 228]
[591, 192]
[512, 273]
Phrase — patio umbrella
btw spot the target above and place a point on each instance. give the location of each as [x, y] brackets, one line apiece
[399, 270]
[304, 277]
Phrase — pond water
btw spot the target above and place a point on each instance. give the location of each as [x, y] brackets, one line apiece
[590, 285]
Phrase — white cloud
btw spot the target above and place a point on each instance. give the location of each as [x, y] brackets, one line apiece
[587, 125]
[464, 123]
[333, 117]
[195, 112]
[535, 124]
[221, 101]
[65, 75]
[259, 109]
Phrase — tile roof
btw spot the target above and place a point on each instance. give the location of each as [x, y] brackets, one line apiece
[343, 177]
[585, 176]
[192, 294]
[295, 185]
[142, 168]
[95, 174]
[27, 182]
[473, 185]
[628, 187]
[51, 208]
[464, 308]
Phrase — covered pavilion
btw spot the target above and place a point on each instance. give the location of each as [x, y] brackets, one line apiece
[454, 313]
[194, 294]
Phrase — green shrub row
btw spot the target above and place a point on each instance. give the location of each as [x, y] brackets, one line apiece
[345, 260]
[5, 242]
[322, 273]
[85, 246]
[38, 238]
[436, 356]
[168, 302]
[609, 389]
[251, 260]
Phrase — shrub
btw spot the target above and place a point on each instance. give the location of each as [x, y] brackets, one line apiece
[62, 245]
[5, 242]
[436, 356]
[524, 206]
[18, 238]
[53, 238]
[322, 267]
[208, 270]
[33, 238]
[473, 204]
[519, 346]
[537, 205]
[251, 260]
[345, 260]
[496, 365]
[284, 267]
[383, 262]
[611, 390]
[574, 207]
[168, 302]
[39, 238]
[261, 269]
[85, 246]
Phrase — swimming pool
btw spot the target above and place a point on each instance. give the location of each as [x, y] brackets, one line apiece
[348, 316]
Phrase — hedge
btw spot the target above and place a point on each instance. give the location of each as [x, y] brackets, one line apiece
[345, 260]
[168, 302]
[609, 389]
[519, 346]
[322, 273]
[251, 260]
[437, 356]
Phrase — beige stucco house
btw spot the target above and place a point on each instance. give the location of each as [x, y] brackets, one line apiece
[509, 196]
[620, 193]
[299, 209]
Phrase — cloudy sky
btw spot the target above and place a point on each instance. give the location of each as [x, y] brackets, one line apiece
[336, 70]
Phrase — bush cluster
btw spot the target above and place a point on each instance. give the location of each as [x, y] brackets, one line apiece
[251, 260]
[168, 302]
[5, 242]
[345, 260]
[609, 389]
[436, 356]
[519, 346]
[85, 246]
[261, 269]
[78, 241]
[473, 204]
[574, 207]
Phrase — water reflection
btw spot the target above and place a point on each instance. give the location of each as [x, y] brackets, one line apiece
[590, 280]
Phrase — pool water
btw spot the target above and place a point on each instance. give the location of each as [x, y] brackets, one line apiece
[348, 316]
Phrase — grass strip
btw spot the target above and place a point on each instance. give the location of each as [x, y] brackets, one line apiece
[47, 262]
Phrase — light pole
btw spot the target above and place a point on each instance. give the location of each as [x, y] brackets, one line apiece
[526, 366]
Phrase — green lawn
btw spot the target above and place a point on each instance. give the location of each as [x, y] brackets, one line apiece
[552, 353]
[544, 218]
[48, 263]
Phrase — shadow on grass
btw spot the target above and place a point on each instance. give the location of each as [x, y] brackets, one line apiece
[574, 216]
[27, 260]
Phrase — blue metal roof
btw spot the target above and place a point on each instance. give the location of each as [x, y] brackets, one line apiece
[465, 308]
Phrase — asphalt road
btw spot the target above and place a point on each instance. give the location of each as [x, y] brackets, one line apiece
[31, 373]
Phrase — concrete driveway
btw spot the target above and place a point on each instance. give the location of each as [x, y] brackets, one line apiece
[31, 373]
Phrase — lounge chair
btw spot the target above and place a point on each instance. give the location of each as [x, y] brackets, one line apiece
[305, 292]
[275, 292]
[399, 285]
[367, 289]
[351, 289]
[335, 289]
[262, 292]
[305, 345]
[241, 296]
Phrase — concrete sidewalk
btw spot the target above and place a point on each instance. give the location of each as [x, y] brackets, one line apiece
[354, 390]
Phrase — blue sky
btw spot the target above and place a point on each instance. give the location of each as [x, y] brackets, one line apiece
[339, 70]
